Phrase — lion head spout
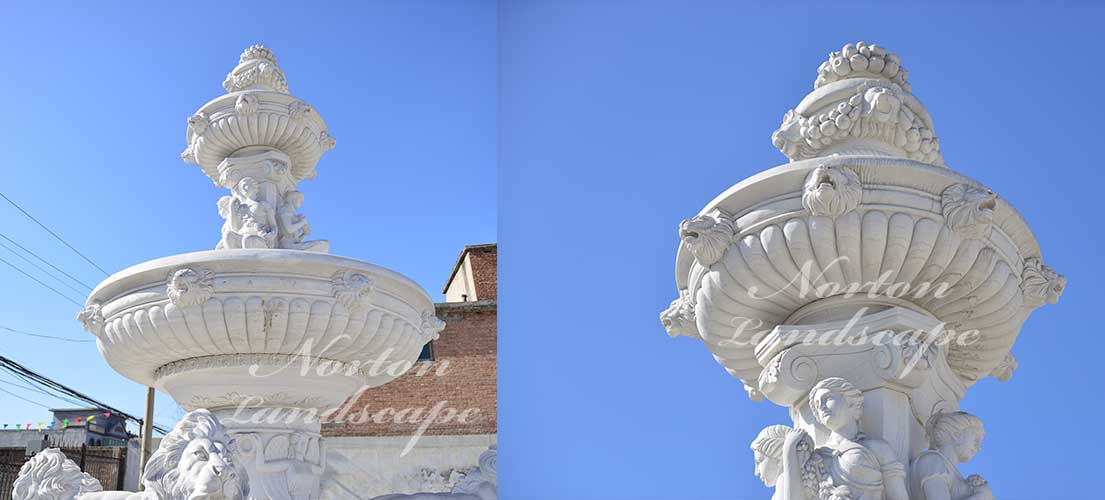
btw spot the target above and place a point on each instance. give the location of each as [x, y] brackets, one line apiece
[831, 191]
[707, 236]
[968, 210]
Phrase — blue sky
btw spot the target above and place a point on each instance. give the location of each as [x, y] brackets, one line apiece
[97, 98]
[619, 119]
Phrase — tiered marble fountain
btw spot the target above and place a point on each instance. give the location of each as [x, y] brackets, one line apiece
[267, 327]
[866, 230]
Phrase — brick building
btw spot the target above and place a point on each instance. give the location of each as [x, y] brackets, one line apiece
[447, 399]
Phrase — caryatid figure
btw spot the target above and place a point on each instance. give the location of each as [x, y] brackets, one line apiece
[863, 468]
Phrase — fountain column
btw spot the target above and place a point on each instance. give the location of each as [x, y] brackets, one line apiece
[267, 330]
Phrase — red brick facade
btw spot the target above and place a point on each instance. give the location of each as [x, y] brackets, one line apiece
[485, 262]
[460, 382]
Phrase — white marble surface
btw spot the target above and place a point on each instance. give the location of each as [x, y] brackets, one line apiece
[868, 265]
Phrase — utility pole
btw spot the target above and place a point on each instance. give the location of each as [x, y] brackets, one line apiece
[147, 437]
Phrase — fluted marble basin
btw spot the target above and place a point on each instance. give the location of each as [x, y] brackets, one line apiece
[745, 258]
[280, 327]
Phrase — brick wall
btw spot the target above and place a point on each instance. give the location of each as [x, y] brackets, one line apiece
[485, 261]
[463, 375]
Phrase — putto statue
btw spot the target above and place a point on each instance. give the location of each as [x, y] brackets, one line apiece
[956, 438]
[194, 461]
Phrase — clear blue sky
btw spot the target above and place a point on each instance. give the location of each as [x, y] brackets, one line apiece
[96, 100]
[606, 110]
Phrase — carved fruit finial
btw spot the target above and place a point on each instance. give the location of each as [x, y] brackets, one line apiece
[256, 70]
[257, 52]
[860, 60]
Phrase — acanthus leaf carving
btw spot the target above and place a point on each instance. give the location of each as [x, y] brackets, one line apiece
[188, 287]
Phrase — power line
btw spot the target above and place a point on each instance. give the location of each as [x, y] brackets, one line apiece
[55, 290]
[35, 255]
[47, 273]
[28, 374]
[66, 339]
[55, 235]
[24, 399]
[40, 391]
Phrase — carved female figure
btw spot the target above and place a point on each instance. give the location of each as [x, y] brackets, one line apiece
[861, 468]
[955, 438]
[782, 454]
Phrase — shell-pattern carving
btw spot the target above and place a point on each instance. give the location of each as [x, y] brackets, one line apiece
[162, 333]
[767, 274]
[265, 124]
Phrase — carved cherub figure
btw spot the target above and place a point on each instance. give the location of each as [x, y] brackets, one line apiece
[293, 227]
[257, 216]
[955, 438]
[864, 468]
[232, 226]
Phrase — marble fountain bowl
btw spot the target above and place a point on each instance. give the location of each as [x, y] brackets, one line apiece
[262, 327]
[893, 226]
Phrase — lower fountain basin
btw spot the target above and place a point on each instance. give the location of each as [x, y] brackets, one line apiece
[282, 328]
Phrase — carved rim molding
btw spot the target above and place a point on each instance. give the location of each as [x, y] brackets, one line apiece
[268, 360]
[183, 311]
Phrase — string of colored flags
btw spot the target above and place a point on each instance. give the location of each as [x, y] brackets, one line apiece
[64, 423]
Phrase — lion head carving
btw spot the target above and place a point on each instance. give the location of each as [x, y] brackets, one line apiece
[195, 461]
[188, 287]
[49, 475]
[679, 318]
[968, 210]
[831, 191]
[707, 236]
[1040, 283]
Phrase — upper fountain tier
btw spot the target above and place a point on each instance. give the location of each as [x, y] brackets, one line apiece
[864, 218]
[257, 113]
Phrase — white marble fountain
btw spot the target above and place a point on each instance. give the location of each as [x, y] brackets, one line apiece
[268, 328]
[788, 277]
